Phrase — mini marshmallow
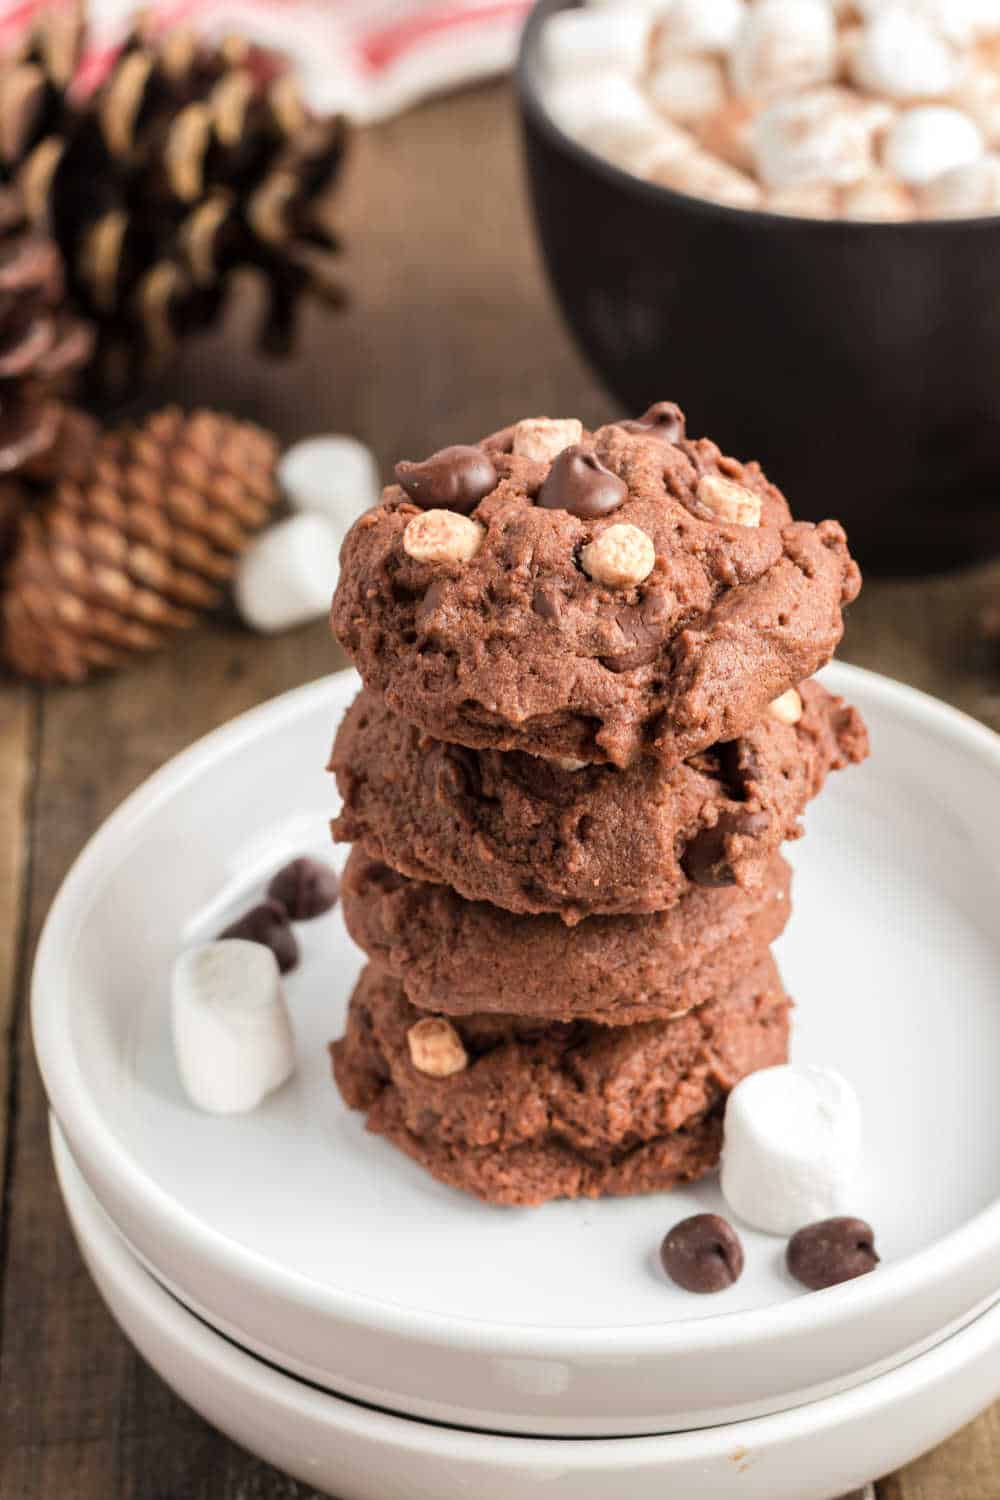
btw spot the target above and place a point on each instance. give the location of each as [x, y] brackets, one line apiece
[232, 1035]
[964, 191]
[688, 88]
[807, 200]
[878, 197]
[929, 140]
[901, 56]
[821, 136]
[334, 474]
[541, 438]
[704, 176]
[607, 113]
[979, 97]
[726, 134]
[698, 26]
[958, 21]
[622, 556]
[782, 46]
[792, 1145]
[288, 574]
[608, 37]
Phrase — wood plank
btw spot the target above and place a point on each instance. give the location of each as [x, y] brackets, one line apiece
[16, 775]
[967, 1467]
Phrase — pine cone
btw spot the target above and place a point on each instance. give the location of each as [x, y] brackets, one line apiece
[41, 344]
[115, 565]
[189, 163]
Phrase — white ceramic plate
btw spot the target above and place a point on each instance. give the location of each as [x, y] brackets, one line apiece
[326, 1251]
[815, 1452]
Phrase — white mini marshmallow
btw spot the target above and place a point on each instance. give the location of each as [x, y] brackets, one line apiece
[610, 36]
[288, 574]
[334, 474]
[698, 26]
[781, 46]
[704, 176]
[606, 112]
[979, 96]
[964, 192]
[878, 197]
[232, 1035]
[792, 1145]
[902, 57]
[807, 200]
[688, 88]
[819, 136]
[929, 140]
[959, 21]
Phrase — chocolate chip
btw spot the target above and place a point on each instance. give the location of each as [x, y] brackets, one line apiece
[639, 656]
[456, 478]
[305, 888]
[268, 924]
[547, 602]
[832, 1251]
[579, 482]
[703, 1254]
[705, 859]
[663, 420]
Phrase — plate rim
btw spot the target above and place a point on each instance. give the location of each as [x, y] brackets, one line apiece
[94, 1142]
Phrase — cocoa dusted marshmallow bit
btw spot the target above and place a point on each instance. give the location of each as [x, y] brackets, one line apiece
[620, 557]
[788, 708]
[436, 1047]
[442, 536]
[729, 501]
[542, 438]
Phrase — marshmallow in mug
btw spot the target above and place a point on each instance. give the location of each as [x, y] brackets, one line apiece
[783, 45]
[928, 140]
[821, 136]
[791, 1147]
[899, 55]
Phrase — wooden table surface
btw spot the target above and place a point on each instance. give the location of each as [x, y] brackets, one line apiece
[451, 334]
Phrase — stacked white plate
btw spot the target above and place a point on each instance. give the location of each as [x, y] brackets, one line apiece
[291, 1237]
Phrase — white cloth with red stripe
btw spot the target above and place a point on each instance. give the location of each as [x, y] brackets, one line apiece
[367, 58]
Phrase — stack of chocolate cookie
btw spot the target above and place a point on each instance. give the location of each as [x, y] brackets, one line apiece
[586, 729]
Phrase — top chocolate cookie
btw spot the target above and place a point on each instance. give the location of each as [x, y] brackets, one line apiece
[591, 596]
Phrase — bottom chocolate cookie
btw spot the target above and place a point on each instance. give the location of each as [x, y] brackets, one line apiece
[518, 1112]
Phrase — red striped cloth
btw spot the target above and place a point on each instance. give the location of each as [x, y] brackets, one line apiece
[370, 58]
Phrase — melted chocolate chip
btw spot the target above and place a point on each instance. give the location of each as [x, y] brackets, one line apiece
[546, 601]
[664, 420]
[639, 656]
[579, 482]
[267, 924]
[706, 861]
[831, 1251]
[305, 888]
[456, 478]
[703, 1254]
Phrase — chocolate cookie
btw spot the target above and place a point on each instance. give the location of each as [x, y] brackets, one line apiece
[537, 1112]
[524, 834]
[622, 594]
[468, 957]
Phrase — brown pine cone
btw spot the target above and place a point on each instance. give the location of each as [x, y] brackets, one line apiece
[42, 346]
[189, 163]
[118, 563]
